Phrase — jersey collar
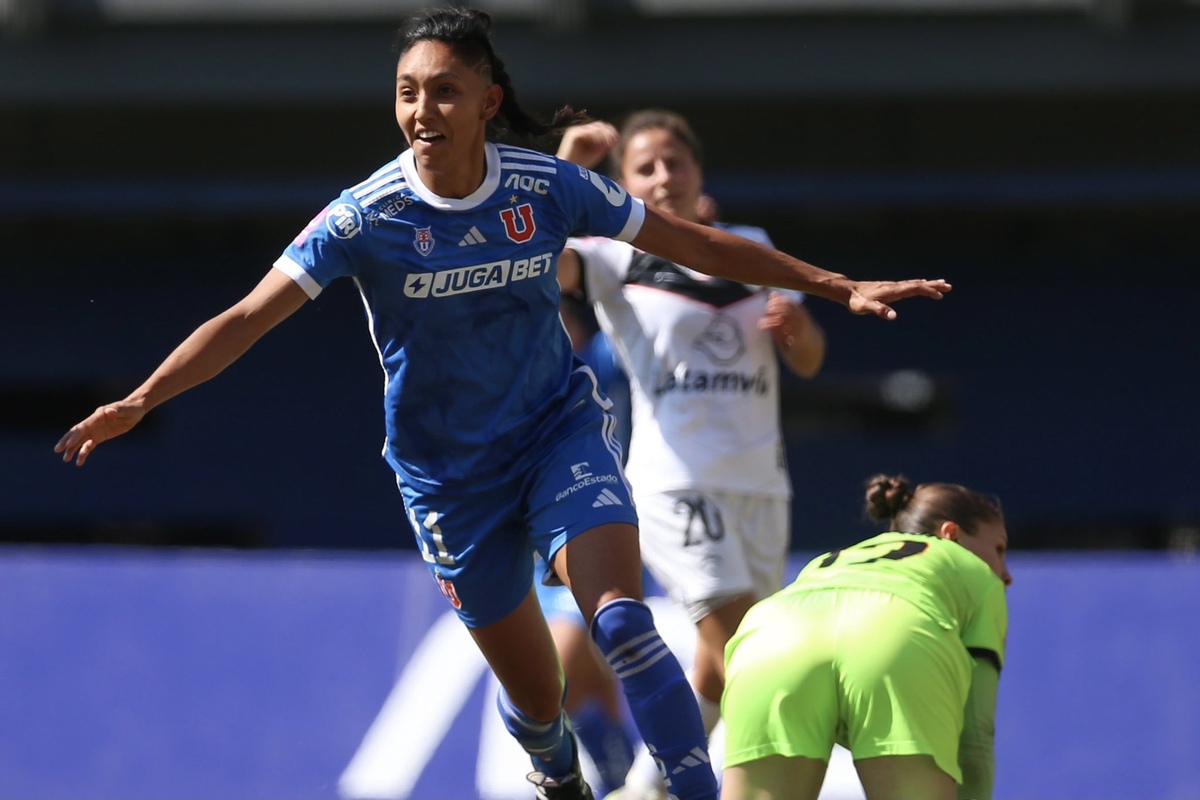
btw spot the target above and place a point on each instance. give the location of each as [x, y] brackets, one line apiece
[491, 180]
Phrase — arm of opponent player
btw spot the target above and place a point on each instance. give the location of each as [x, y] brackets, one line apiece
[210, 349]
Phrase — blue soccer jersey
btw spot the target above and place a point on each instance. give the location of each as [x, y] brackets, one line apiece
[462, 300]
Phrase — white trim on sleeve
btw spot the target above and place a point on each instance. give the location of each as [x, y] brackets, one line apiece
[637, 215]
[296, 272]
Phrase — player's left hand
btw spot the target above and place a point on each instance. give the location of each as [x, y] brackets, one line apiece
[784, 320]
[872, 297]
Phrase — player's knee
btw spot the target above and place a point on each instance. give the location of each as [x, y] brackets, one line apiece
[619, 623]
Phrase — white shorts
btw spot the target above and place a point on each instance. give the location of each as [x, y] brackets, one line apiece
[707, 548]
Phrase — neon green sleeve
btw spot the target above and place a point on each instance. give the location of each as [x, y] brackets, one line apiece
[977, 746]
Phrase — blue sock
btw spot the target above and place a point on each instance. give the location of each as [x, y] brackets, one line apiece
[607, 743]
[550, 747]
[660, 699]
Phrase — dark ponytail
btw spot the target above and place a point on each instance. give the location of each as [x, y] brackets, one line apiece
[924, 509]
[468, 32]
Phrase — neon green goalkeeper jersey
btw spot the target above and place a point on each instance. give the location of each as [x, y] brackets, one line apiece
[942, 578]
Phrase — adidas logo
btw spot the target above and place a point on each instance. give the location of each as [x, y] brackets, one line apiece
[693, 759]
[473, 237]
[607, 498]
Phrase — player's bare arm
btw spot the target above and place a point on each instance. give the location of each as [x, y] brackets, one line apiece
[206, 352]
[715, 252]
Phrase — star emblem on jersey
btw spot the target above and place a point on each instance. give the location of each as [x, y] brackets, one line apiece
[473, 237]
[423, 241]
[512, 199]
[606, 498]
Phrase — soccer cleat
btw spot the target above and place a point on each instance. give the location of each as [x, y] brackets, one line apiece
[569, 787]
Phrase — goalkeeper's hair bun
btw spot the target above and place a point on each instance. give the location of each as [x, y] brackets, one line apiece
[923, 509]
[886, 496]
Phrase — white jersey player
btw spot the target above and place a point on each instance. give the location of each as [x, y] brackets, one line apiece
[704, 376]
[706, 458]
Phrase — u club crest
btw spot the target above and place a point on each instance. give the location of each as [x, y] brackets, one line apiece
[423, 241]
[518, 223]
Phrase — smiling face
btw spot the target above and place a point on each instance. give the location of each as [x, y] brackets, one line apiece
[661, 170]
[443, 105]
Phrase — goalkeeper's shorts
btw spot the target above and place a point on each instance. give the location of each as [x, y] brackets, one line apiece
[865, 669]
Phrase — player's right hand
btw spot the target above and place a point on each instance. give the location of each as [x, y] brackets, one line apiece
[587, 144]
[873, 297]
[106, 422]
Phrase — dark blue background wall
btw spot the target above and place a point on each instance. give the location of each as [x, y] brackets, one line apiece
[1065, 373]
[1045, 162]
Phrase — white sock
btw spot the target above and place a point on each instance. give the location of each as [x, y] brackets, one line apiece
[710, 712]
[643, 779]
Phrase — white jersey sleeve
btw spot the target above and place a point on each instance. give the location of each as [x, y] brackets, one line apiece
[606, 265]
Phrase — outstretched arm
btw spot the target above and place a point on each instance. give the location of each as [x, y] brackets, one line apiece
[211, 348]
[715, 252]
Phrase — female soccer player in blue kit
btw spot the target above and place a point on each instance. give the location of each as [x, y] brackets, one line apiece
[498, 436]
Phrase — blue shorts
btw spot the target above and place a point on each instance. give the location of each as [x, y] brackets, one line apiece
[479, 545]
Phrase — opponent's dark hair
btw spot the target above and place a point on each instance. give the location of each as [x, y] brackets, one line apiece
[925, 508]
[468, 32]
[656, 119]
